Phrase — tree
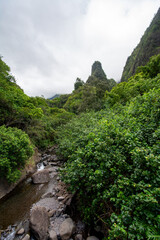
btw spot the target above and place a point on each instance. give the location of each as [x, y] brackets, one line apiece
[15, 149]
[78, 83]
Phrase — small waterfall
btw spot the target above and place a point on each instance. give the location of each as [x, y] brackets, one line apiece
[40, 166]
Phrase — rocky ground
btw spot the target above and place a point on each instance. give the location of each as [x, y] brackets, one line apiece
[48, 218]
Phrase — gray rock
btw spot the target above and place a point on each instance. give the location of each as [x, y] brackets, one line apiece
[27, 237]
[52, 235]
[78, 237]
[21, 231]
[92, 238]
[61, 198]
[45, 163]
[54, 158]
[48, 203]
[66, 229]
[47, 195]
[51, 213]
[41, 176]
[39, 222]
[65, 215]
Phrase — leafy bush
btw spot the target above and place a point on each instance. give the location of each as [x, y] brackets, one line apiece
[78, 83]
[15, 149]
[125, 91]
[146, 78]
[114, 165]
[152, 68]
[43, 132]
[34, 115]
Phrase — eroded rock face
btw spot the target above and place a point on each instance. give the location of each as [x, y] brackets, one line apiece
[66, 229]
[92, 238]
[41, 176]
[39, 223]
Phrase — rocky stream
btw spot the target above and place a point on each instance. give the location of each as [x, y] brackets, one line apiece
[38, 208]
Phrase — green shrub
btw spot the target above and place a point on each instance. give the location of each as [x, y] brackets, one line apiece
[114, 166]
[15, 149]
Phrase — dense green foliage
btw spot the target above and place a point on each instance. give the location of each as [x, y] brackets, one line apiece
[148, 46]
[114, 159]
[87, 96]
[78, 83]
[147, 78]
[15, 149]
[152, 68]
[60, 101]
[37, 117]
[112, 145]
[84, 99]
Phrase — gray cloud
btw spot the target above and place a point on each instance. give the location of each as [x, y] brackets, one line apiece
[48, 44]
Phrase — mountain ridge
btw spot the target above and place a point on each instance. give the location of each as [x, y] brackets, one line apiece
[148, 46]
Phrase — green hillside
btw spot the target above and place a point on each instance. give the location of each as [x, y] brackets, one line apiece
[114, 158]
[108, 134]
[149, 45]
[87, 96]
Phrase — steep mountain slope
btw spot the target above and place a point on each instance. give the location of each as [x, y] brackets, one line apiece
[87, 96]
[98, 78]
[149, 45]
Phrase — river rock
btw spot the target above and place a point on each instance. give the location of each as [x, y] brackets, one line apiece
[66, 229]
[41, 176]
[79, 237]
[51, 212]
[47, 195]
[39, 222]
[61, 198]
[21, 231]
[92, 238]
[52, 235]
[27, 237]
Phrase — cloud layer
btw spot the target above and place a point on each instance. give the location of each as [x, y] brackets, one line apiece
[48, 44]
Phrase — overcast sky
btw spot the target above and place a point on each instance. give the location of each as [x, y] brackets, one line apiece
[49, 43]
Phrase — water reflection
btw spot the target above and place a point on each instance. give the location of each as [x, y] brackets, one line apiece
[16, 206]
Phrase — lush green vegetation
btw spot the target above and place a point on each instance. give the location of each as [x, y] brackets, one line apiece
[87, 96]
[110, 136]
[148, 46]
[113, 158]
[15, 149]
[37, 117]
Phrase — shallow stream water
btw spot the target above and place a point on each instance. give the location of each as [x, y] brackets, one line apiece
[15, 207]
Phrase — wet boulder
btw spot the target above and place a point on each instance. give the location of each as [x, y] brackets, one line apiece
[66, 229]
[39, 222]
[41, 176]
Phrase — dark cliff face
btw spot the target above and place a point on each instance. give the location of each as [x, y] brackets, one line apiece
[149, 45]
[97, 70]
[99, 79]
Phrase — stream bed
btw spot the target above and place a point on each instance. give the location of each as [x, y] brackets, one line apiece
[15, 207]
[18, 206]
